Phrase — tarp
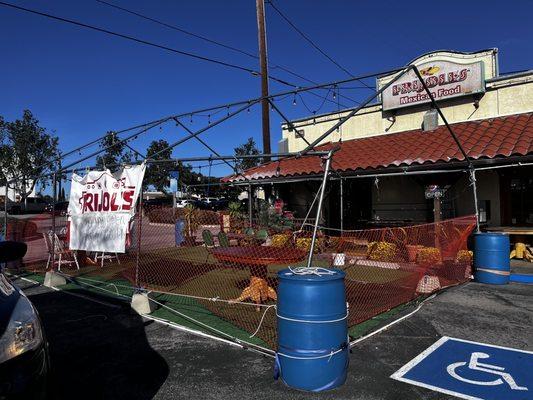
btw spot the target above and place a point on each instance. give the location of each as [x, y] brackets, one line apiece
[101, 206]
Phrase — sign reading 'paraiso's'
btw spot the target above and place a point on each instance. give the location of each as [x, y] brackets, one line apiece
[445, 80]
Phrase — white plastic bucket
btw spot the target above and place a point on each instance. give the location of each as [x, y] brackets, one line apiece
[339, 259]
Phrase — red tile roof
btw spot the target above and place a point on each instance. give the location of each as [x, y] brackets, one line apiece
[488, 138]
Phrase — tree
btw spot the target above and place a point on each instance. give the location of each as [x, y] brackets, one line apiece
[27, 151]
[247, 148]
[157, 175]
[116, 151]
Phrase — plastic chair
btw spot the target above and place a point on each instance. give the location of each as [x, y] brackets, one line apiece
[105, 256]
[223, 240]
[261, 234]
[208, 238]
[59, 251]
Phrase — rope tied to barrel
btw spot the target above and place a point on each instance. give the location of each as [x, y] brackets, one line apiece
[319, 271]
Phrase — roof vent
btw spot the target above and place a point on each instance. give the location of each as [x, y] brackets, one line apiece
[431, 120]
[283, 146]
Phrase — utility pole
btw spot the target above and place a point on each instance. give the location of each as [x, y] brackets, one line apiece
[263, 60]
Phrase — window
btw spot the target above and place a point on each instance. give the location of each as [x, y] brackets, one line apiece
[299, 133]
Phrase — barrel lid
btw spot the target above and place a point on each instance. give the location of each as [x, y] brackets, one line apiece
[491, 234]
[319, 274]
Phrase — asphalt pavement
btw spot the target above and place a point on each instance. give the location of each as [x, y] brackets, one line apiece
[100, 349]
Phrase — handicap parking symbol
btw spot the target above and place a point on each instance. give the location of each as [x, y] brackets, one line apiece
[471, 370]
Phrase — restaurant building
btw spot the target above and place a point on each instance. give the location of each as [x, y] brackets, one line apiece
[398, 163]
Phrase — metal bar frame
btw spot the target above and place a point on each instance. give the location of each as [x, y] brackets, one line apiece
[457, 142]
[319, 208]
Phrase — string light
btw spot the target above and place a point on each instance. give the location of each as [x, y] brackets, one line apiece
[191, 119]
[209, 118]
[227, 109]
[294, 99]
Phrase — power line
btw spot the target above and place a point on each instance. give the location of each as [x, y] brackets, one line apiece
[209, 40]
[142, 41]
[176, 28]
[308, 39]
[155, 45]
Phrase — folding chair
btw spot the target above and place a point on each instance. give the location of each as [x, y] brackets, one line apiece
[105, 256]
[223, 240]
[59, 251]
[207, 236]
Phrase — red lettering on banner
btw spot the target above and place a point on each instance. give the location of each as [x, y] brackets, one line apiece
[127, 196]
[105, 201]
[114, 206]
[87, 204]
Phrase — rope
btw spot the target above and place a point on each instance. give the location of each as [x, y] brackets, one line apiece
[329, 355]
[318, 271]
[193, 320]
[213, 299]
[312, 322]
[262, 318]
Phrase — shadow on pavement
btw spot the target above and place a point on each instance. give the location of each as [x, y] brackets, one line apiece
[97, 350]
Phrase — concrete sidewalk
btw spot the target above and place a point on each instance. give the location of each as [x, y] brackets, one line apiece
[103, 350]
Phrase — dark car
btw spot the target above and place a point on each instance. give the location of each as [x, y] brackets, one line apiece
[201, 205]
[60, 208]
[24, 355]
[157, 202]
[219, 205]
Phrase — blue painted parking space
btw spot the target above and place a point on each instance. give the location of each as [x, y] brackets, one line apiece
[471, 370]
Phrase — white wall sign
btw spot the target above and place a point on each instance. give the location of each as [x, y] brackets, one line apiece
[101, 206]
[445, 80]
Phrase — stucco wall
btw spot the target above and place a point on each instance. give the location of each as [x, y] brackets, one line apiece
[503, 97]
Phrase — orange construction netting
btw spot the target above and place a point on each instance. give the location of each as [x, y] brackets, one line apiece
[218, 274]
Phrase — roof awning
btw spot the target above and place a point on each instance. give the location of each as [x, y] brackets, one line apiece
[488, 139]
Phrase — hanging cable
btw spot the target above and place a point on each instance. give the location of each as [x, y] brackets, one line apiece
[308, 39]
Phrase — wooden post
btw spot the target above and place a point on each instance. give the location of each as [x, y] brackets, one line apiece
[263, 60]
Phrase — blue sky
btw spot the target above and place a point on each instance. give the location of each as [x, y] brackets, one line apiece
[81, 83]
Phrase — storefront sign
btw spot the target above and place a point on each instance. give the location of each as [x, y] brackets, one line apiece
[445, 80]
[434, 192]
[101, 206]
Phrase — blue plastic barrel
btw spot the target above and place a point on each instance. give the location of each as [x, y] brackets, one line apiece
[491, 258]
[313, 352]
[178, 231]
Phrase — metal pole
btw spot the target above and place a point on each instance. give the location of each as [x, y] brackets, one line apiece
[5, 211]
[319, 209]
[250, 205]
[474, 189]
[54, 194]
[457, 142]
[353, 111]
[139, 232]
[342, 204]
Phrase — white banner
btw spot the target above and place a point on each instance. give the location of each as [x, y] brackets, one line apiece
[101, 206]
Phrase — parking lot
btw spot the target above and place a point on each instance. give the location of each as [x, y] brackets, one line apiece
[102, 350]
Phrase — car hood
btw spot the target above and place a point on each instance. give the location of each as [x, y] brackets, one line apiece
[9, 295]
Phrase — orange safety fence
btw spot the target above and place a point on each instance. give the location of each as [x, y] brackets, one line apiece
[219, 272]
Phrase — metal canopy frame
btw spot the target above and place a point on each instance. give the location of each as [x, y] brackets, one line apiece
[244, 105]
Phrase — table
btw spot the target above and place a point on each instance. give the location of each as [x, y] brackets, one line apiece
[520, 248]
[257, 259]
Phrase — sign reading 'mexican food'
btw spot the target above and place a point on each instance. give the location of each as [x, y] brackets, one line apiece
[444, 79]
